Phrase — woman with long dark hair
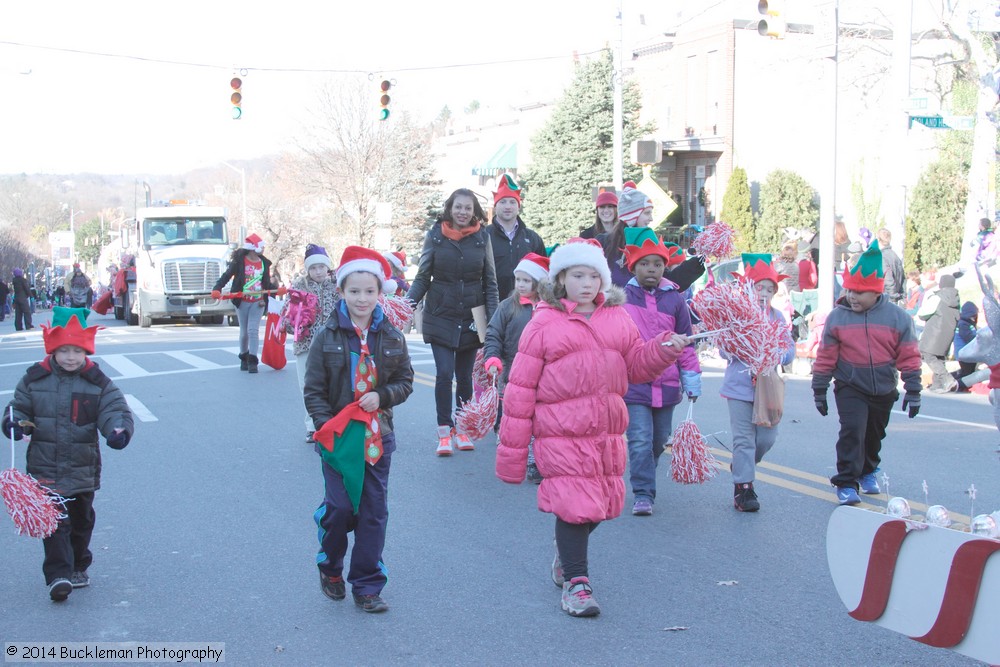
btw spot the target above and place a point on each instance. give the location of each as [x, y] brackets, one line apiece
[455, 277]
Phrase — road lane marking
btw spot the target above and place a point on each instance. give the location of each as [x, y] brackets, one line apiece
[123, 365]
[139, 409]
[194, 360]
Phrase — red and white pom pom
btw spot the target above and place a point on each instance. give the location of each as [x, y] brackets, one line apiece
[480, 378]
[301, 312]
[477, 417]
[35, 510]
[745, 330]
[718, 241]
[690, 460]
[398, 309]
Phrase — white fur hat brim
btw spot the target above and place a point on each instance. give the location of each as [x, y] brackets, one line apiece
[532, 269]
[369, 266]
[580, 254]
[313, 260]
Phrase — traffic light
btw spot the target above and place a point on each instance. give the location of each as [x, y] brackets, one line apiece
[236, 98]
[384, 100]
[773, 23]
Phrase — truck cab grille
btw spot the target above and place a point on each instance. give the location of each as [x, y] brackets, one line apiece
[186, 276]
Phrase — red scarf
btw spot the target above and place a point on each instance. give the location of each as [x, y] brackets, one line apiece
[458, 234]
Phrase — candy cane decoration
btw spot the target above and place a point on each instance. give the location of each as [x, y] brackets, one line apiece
[477, 417]
[718, 241]
[746, 331]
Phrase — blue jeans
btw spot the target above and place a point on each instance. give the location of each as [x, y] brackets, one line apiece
[649, 429]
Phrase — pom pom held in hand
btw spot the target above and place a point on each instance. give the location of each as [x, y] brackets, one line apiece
[690, 460]
[34, 510]
[746, 331]
[477, 417]
[718, 241]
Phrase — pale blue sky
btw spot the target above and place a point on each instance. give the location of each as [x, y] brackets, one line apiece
[78, 112]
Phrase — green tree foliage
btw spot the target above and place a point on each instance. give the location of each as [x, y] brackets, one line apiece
[911, 258]
[573, 152]
[736, 210]
[936, 209]
[786, 200]
[867, 205]
[90, 238]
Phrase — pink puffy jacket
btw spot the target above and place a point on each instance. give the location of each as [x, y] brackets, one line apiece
[565, 389]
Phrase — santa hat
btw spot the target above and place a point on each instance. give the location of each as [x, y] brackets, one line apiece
[757, 267]
[356, 258]
[581, 252]
[396, 259]
[631, 203]
[534, 265]
[253, 242]
[69, 327]
[866, 276]
[317, 255]
[607, 198]
[507, 188]
[642, 242]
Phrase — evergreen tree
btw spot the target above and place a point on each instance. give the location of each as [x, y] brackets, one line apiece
[936, 209]
[736, 210]
[573, 152]
[786, 200]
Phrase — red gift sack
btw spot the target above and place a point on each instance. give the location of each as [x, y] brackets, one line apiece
[273, 353]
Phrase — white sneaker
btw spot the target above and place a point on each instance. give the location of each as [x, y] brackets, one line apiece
[461, 441]
[444, 441]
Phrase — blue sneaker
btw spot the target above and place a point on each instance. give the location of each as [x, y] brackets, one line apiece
[869, 484]
[847, 495]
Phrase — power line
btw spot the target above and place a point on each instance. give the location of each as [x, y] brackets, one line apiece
[308, 70]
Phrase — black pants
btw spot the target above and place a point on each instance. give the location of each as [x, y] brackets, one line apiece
[452, 365]
[22, 313]
[863, 419]
[571, 542]
[68, 549]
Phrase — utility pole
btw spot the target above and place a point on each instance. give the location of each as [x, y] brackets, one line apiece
[828, 199]
[617, 82]
[243, 184]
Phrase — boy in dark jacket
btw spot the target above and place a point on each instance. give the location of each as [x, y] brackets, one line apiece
[358, 369]
[868, 342]
[62, 402]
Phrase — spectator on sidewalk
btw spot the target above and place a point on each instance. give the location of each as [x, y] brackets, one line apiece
[940, 314]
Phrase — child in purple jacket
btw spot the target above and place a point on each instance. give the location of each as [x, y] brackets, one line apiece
[655, 305]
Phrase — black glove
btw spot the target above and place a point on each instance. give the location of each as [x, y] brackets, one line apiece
[119, 440]
[821, 405]
[911, 399]
[9, 426]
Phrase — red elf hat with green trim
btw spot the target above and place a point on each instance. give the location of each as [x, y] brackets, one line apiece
[757, 267]
[676, 254]
[507, 188]
[69, 327]
[867, 275]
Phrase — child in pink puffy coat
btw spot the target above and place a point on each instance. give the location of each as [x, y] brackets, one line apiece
[575, 360]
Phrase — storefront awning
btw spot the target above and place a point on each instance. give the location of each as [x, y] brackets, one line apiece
[505, 157]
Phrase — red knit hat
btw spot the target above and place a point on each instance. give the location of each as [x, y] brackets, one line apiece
[606, 198]
[507, 188]
[534, 265]
[356, 258]
[69, 327]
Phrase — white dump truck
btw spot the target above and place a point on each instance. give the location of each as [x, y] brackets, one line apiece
[179, 252]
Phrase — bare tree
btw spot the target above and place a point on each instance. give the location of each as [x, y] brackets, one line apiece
[355, 162]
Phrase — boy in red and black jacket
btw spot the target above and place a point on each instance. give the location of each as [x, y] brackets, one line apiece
[868, 343]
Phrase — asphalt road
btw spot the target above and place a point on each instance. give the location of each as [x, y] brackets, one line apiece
[205, 533]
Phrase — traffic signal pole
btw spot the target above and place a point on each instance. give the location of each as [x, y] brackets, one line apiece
[828, 198]
[617, 82]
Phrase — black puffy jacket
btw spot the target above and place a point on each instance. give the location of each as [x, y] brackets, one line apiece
[329, 385]
[507, 253]
[68, 410]
[454, 277]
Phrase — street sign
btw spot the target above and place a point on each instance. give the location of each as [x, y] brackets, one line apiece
[961, 122]
[917, 103]
[936, 122]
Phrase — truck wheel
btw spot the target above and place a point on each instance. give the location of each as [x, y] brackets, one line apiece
[145, 321]
[119, 313]
[133, 319]
[217, 319]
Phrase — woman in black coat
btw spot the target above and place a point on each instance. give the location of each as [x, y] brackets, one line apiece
[455, 276]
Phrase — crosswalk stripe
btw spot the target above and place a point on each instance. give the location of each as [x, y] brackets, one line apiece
[194, 360]
[124, 365]
[140, 411]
